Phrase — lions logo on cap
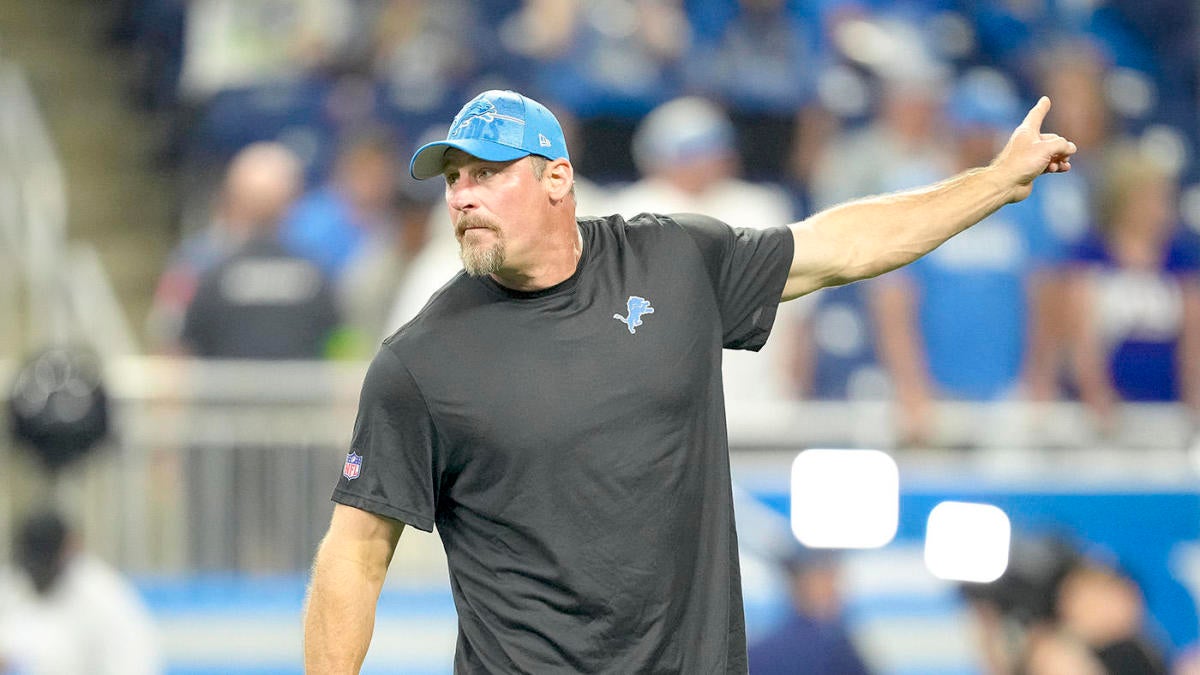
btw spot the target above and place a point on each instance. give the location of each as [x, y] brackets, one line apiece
[481, 109]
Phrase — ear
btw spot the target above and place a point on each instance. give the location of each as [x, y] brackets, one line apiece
[560, 179]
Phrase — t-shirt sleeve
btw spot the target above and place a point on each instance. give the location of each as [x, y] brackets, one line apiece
[748, 269]
[393, 448]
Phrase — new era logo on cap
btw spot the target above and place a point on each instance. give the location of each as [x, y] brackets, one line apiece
[496, 126]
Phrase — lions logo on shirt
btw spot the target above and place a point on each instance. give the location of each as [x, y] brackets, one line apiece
[636, 307]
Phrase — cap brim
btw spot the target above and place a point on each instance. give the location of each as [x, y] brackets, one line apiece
[430, 159]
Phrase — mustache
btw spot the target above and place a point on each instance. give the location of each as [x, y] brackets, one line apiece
[470, 221]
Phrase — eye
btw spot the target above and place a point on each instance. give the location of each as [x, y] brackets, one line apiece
[485, 172]
[451, 178]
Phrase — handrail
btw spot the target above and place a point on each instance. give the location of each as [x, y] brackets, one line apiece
[33, 165]
[760, 424]
[228, 464]
[68, 294]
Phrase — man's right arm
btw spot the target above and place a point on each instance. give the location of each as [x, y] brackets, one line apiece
[868, 237]
[347, 576]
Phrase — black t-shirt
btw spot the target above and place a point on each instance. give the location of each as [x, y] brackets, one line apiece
[570, 446]
[263, 302]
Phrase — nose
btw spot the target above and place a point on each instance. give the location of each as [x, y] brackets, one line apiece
[460, 196]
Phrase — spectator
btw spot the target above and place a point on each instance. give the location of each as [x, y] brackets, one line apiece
[1074, 74]
[247, 197]
[1009, 31]
[955, 324]
[378, 272]
[834, 357]
[608, 63]
[1135, 293]
[64, 611]
[262, 302]
[1058, 611]
[900, 148]
[241, 43]
[423, 50]
[812, 639]
[1103, 609]
[762, 62]
[333, 224]
[686, 151]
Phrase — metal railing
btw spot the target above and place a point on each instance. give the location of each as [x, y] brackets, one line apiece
[230, 465]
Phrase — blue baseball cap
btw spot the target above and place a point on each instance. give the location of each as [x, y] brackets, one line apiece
[496, 126]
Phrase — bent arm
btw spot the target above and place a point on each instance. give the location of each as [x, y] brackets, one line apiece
[865, 238]
[347, 576]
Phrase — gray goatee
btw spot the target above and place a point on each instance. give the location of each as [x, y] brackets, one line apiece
[478, 258]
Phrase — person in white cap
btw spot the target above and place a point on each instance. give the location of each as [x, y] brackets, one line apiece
[556, 411]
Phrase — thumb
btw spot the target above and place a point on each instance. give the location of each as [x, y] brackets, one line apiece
[1037, 114]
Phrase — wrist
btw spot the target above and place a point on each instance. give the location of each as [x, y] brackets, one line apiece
[1003, 184]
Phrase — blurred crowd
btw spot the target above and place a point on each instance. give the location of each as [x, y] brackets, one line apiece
[1062, 608]
[1059, 609]
[302, 236]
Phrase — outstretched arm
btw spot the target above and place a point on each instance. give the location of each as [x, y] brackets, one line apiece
[867, 237]
[347, 576]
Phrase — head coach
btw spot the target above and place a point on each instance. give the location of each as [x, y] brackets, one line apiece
[556, 412]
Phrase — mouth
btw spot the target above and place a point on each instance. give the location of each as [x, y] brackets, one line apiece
[466, 225]
[462, 232]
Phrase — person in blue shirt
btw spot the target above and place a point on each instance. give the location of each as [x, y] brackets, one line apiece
[331, 224]
[1135, 293]
[812, 639]
[956, 325]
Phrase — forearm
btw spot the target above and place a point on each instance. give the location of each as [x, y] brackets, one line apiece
[900, 348]
[1046, 334]
[340, 614]
[867, 237]
[1189, 348]
[1089, 365]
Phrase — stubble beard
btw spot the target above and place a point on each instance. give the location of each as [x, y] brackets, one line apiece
[478, 258]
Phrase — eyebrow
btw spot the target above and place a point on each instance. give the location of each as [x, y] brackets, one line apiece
[470, 159]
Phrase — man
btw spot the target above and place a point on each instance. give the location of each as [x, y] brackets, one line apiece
[262, 301]
[63, 610]
[556, 409]
[258, 186]
[352, 211]
[964, 322]
[812, 637]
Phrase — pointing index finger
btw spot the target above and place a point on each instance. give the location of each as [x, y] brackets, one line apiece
[1036, 114]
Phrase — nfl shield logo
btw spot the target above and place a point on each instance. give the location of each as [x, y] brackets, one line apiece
[353, 466]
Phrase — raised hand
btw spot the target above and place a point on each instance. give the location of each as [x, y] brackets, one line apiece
[1030, 153]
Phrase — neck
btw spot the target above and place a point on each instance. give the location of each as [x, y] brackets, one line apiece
[558, 258]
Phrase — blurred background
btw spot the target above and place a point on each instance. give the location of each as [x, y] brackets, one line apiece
[207, 226]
